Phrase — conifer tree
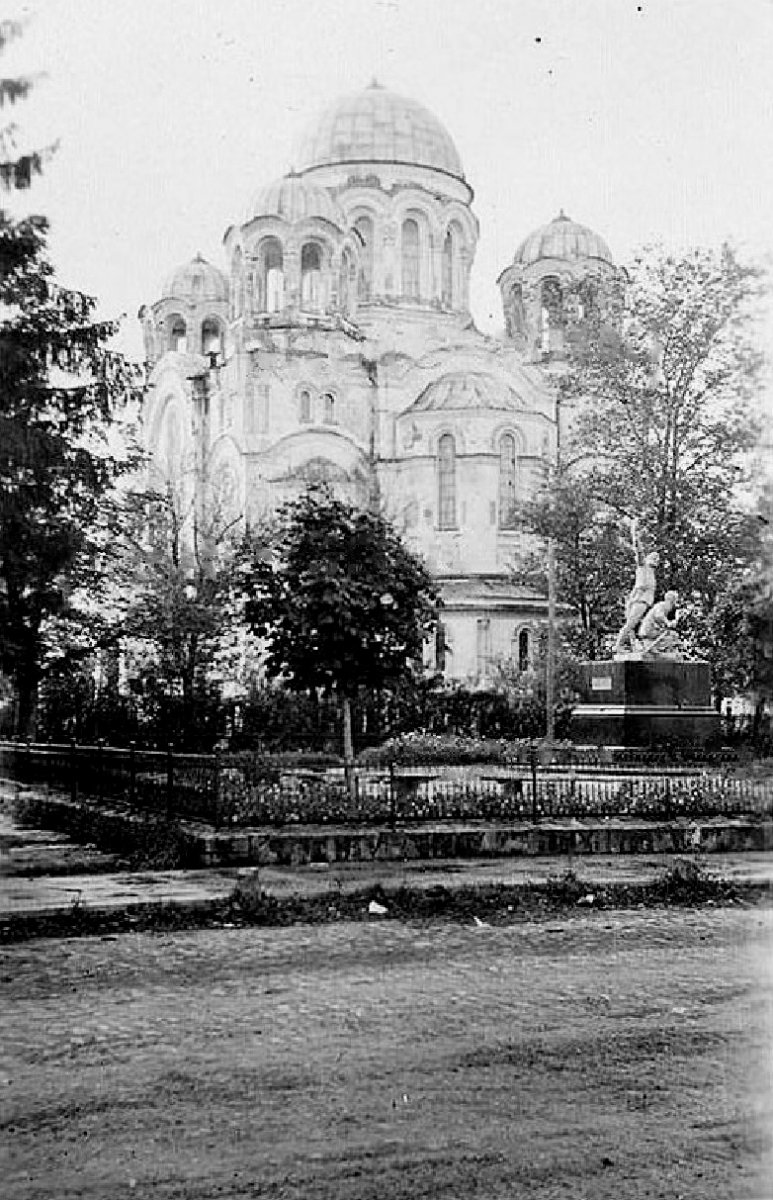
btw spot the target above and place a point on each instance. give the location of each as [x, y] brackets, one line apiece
[59, 387]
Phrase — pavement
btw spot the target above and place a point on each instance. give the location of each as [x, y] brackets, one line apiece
[43, 873]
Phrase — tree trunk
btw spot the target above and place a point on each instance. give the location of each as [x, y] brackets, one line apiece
[27, 702]
[348, 745]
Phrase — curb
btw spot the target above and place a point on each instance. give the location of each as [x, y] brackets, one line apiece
[204, 847]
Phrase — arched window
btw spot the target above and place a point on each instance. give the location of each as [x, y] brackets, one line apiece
[447, 291]
[237, 284]
[585, 304]
[523, 650]
[515, 313]
[410, 260]
[211, 337]
[364, 227]
[441, 648]
[446, 468]
[178, 339]
[328, 408]
[311, 277]
[271, 279]
[508, 479]
[171, 443]
[451, 267]
[345, 289]
[483, 647]
[551, 313]
[304, 407]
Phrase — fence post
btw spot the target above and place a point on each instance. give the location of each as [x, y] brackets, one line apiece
[100, 768]
[533, 760]
[73, 771]
[169, 779]
[216, 788]
[392, 795]
[29, 763]
[132, 773]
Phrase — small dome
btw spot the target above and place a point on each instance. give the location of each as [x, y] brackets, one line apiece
[563, 239]
[197, 279]
[295, 199]
[465, 390]
[376, 125]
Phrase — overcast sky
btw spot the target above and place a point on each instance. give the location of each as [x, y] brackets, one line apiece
[648, 122]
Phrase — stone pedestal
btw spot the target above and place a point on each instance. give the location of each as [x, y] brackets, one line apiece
[640, 702]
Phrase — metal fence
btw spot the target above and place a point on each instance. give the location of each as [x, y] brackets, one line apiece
[251, 790]
[183, 785]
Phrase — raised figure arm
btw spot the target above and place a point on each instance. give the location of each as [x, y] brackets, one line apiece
[636, 542]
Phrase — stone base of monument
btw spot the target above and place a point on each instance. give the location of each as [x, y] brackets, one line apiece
[645, 702]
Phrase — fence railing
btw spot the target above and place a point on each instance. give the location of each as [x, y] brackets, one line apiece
[248, 790]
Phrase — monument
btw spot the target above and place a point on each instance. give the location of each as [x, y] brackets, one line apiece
[650, 693]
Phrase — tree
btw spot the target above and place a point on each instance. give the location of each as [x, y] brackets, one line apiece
[593, 566]
[163, 598]
[742, 621]
[175, 575]
[661, 400]
[341, 603]
[16, 170]
[59, 388]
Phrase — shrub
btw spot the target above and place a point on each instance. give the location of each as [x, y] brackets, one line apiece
[438, 749]
[142, 839]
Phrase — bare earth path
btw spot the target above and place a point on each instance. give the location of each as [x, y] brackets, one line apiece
[597, 1056]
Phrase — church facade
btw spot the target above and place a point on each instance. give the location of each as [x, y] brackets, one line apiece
[337, 345]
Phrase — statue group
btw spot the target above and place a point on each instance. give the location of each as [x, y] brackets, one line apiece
[650, 627]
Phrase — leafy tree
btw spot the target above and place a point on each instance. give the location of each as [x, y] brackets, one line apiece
[742, 622]
[593, 565]
[165, 597]
[59, 388]
[342, 604]
[660, 395]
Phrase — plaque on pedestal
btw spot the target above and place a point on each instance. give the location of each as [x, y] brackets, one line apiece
[645, 702]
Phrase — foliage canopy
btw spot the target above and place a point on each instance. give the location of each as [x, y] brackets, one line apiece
[59, 389]
[658, 404]
[342, 603]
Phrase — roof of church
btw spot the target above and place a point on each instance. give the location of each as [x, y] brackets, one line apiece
[197, 278]
[465, 390]
[562, 238]
[293, 198]
[376, 125]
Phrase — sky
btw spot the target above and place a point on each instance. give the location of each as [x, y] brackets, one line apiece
[650, 122]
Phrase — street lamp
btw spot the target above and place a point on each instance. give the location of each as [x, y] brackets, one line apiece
[550, 664]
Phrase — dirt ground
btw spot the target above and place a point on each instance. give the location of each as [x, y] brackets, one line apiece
[605, 1055]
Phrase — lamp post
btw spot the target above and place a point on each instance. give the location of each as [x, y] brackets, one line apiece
[550, 664]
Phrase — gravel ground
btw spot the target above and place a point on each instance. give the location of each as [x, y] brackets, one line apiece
[608, 1055]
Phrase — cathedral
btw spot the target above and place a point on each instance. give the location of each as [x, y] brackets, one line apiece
[338, 346]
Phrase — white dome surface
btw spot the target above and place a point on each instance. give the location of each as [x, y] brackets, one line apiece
[293, 199]
[378, 126]
[197, 278]
[564, 239]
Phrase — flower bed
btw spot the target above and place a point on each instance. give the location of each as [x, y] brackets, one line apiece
[464, 794]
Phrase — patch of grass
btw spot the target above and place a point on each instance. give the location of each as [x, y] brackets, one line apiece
[685, 883]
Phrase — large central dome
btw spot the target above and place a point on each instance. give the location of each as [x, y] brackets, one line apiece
[378, 126]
